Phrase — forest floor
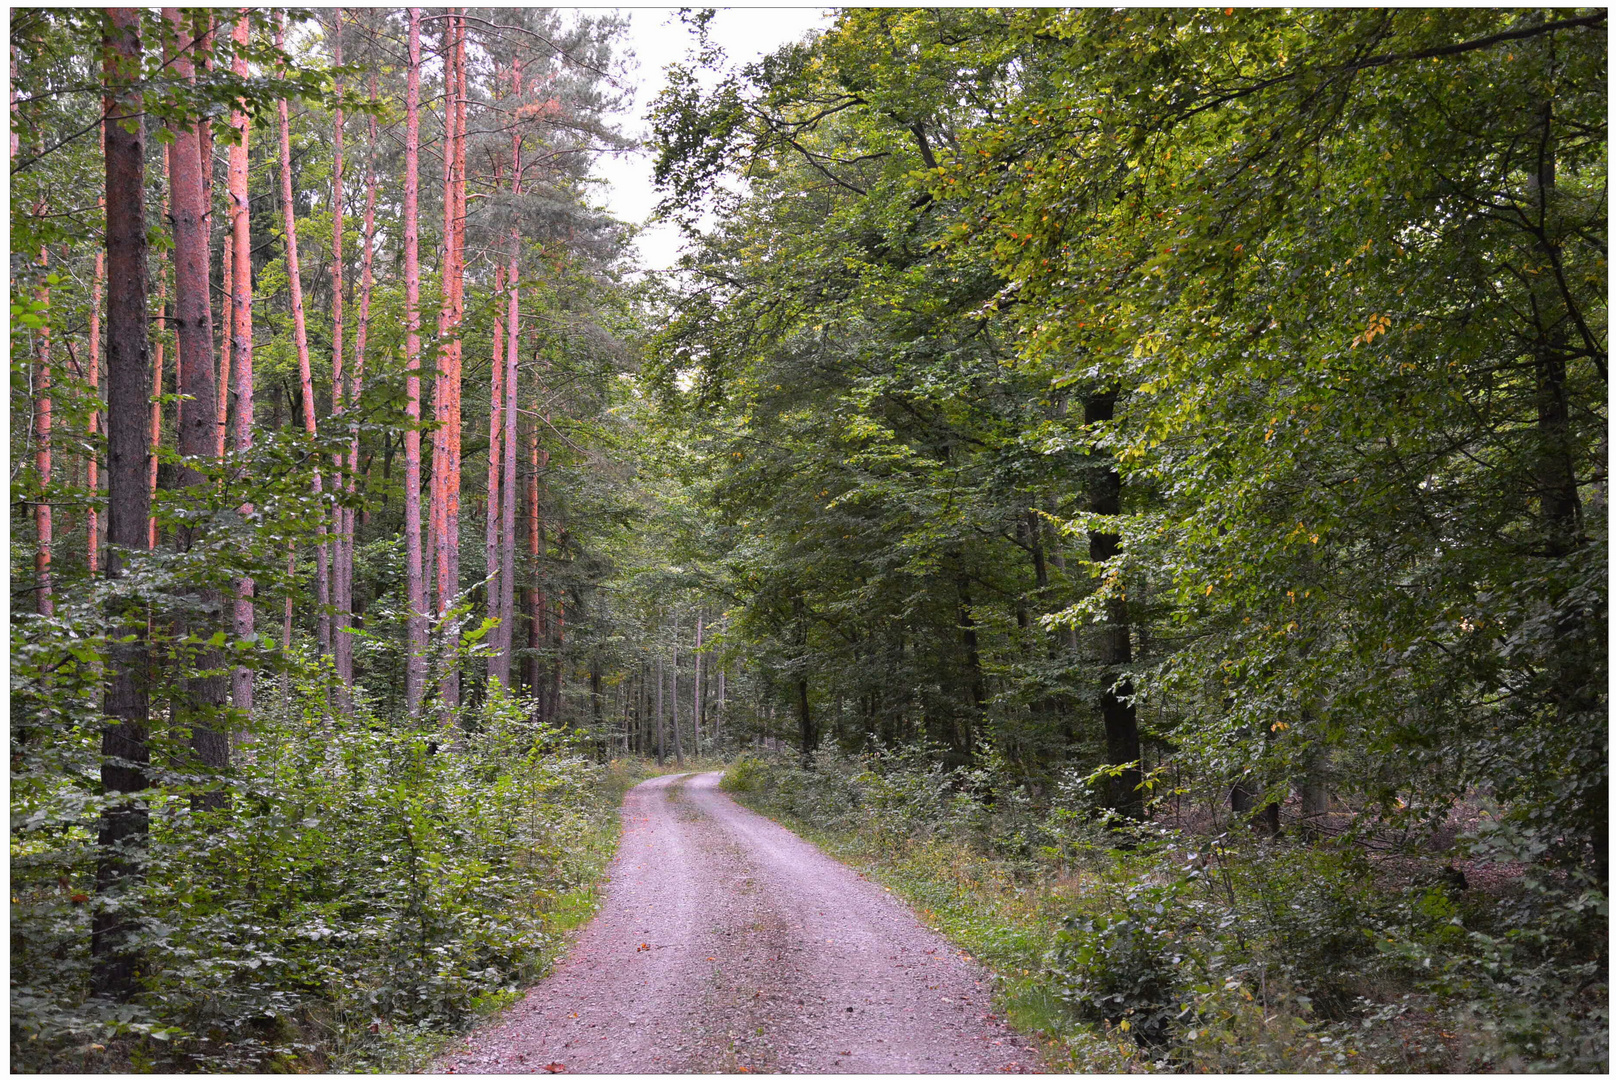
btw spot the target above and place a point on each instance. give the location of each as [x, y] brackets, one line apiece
[725, 943]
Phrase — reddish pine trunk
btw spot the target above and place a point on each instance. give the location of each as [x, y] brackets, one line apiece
[322, 590]
[124, 748]
[342, 552]
[445, 517]
[92, 479]
[240, 286]
[197, 707]
[415, 664]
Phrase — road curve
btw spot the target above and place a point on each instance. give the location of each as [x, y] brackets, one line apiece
[726, 943]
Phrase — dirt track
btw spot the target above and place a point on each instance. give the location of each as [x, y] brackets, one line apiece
[726, 943]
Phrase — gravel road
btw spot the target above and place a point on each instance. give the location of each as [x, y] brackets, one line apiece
[725, 943]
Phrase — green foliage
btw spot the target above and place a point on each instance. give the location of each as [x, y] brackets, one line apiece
[1214, 953]
[361, 881]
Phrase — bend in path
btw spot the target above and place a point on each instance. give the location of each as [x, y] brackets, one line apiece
[727, 943]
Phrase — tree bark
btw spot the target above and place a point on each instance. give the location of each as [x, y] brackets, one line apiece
[241, 329]
[121, 839]
[157, 378]
[341, 551]
[92, 479]
[695, 705]
[673, 696]
[44, 596]
[507, 580]
[1116, 646]
[499, 656]
[300, 336]
[415, 662]
[357, 382]
[660, 726]
[538, 616]
[202, 698]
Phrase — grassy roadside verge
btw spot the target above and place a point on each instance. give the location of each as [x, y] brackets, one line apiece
[975, 902]
[405, 1049]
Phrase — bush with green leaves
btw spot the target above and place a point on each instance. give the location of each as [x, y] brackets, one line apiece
[362, 880]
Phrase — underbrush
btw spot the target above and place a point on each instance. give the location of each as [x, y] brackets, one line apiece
[366, 893]
[1144, 949]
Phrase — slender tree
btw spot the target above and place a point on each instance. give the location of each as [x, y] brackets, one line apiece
[342, 553]
[507, 582]
[356, 386]
[92, 480]
[415, 662]
[203, 695]
[300, 337]
[124, 748]
[537, 614]
[156, 404]
[241, 342]
[44, 597]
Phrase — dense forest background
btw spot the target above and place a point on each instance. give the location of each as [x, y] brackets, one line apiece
[1158, 457]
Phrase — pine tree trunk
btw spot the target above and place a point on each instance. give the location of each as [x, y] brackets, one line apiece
[361, 340]
[157, 378]
[536, 605]
[300, 336]
[202, 697]
[124, 747]
[457, 315]
[415, 663]
[92, 479]
[341, 553]
[445, 515]
[241, 690]
[499, 656]
[507, 525]
[44, 597]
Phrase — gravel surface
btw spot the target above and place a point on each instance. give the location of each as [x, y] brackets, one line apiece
[725, 943]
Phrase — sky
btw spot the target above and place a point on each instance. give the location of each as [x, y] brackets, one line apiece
[658, 39]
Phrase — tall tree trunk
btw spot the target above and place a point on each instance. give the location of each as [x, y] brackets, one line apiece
[695, 708]
[457, 315]
[92, 479]
[241, 330]
[157, 378]
[660, 726]
[415, 663]
[558, 645]
[300, 337]
[537, 616]
[44, 597]
[125, 751]
[341, 553]
[361, 339]
[673, 695]
[499, 656]
[1116, 646]
[508, 382]
[202, 698]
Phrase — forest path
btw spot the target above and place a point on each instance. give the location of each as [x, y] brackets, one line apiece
[727, 943]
